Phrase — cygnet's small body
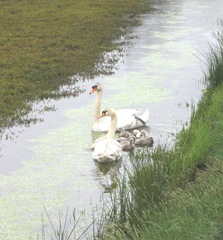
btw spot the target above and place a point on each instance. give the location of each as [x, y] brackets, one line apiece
[128, 145]
[144, 140]
[124, 133]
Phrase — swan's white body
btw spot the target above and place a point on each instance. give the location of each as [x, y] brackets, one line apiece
[108, 150]
[127, 118]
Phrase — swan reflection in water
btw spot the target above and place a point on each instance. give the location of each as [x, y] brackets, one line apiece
[109, 171]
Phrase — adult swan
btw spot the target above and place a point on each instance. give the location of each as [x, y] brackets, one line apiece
[108, 149]
[127, 118]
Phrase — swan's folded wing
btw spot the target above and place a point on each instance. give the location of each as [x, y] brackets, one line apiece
[132, 118]
[107, 151]
[142, 115]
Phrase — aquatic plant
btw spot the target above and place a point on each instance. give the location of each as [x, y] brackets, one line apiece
[213, 77]
[48, 46]
[66, 229]
[171, 193]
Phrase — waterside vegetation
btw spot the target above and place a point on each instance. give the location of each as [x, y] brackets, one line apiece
[177, 193]
[167, 194]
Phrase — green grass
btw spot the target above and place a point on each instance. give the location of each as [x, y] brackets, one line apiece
[190, 213]
[177, 193]
[44, 43]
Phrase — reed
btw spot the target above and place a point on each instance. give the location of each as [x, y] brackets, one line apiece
[67, 228]
[190, 213]
[213, 77]
[171, 193]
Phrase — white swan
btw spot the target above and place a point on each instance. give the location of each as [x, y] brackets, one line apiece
[127, 118]
[108, 150]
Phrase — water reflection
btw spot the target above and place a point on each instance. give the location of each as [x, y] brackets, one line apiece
[55, 168]
[110, 171]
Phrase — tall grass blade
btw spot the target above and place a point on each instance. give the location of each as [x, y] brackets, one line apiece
[85, 231]
[54, 231]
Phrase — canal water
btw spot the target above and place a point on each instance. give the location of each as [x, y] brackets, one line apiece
[49, 165]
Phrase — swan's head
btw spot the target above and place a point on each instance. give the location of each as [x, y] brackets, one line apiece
[96, 87]
[107, 112]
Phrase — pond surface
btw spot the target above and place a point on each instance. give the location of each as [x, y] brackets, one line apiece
[49, 164]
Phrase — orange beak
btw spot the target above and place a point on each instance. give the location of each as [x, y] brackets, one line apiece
[102, 115]
[93, 90]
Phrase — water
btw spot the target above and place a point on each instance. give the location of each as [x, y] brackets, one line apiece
[50, 164]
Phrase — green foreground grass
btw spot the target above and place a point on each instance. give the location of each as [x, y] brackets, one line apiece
[192, 212]
[177, 193]
[44, 43]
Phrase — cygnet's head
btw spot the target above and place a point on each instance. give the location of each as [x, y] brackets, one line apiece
[121, 129]
[136, 131]
[143, 133]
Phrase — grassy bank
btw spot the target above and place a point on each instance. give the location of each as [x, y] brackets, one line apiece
[43, 43]
[177, 193]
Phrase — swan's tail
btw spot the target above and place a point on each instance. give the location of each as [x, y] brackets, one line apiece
[142, 117]
[140, 120]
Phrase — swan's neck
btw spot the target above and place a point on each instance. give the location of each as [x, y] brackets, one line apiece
[97, 107]
[112, 128]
